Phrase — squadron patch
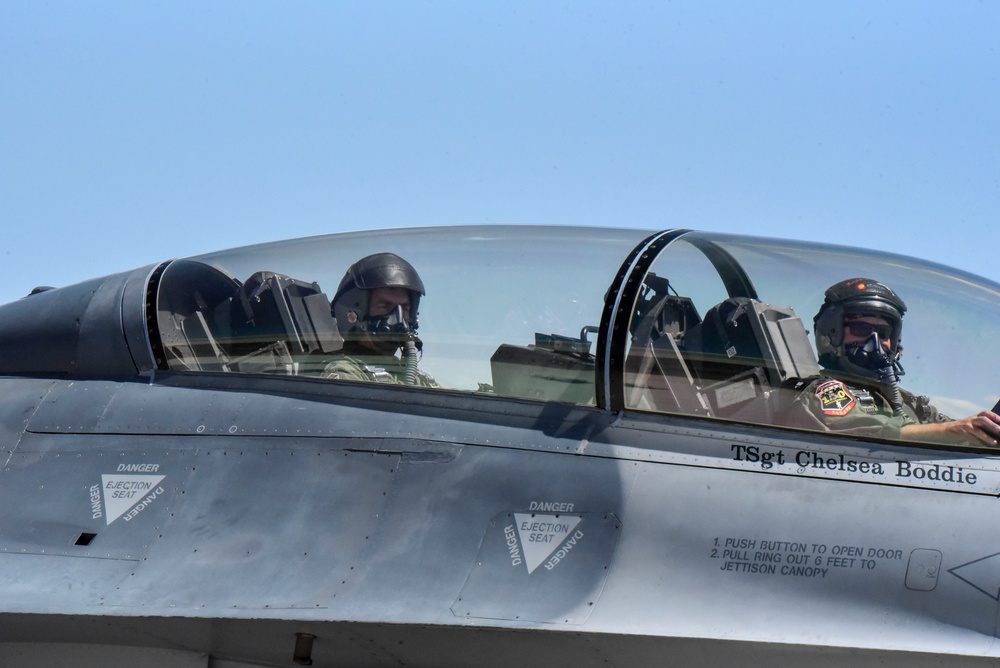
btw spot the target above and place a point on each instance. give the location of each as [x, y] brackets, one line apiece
[834, 397]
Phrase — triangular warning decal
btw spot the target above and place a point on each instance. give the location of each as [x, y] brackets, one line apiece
[121, 492]
[541, 535]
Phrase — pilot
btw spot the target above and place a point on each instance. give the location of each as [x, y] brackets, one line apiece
[376, 312]
[858, 331]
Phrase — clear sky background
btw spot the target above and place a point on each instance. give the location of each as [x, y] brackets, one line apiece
[132, 132]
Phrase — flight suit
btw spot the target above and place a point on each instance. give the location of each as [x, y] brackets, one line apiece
[373, 369]
[845, 405]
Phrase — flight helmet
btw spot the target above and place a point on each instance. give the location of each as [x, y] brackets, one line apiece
[350, 304]
[855, 297]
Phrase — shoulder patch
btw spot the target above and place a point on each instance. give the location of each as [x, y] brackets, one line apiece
[834, 398]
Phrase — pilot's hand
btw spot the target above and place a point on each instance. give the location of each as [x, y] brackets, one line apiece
[983, 426]
[982, 429]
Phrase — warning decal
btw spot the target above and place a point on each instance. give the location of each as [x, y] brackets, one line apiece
[129, 494]
[540, 567]
[541, 535]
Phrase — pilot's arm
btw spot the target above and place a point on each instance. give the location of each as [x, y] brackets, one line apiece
[981, 429]
[933, 426]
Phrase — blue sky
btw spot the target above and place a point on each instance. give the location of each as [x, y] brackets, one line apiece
[132, 132]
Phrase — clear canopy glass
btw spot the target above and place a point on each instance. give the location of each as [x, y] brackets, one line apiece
[516, 311]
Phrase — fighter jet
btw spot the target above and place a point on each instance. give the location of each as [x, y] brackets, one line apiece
[575, 447]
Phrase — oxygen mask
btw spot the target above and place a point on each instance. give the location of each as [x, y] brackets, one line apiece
[392, 330]
[872, 356]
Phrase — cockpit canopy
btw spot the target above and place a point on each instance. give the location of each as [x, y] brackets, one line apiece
[679, 322]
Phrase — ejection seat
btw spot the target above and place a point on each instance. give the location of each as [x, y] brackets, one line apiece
[743, 352]
[209, 321]
[280, 322]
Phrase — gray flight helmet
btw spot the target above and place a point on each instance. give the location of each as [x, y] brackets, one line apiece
[381, 270]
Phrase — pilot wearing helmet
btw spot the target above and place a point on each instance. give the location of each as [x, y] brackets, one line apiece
[376, 312]
[858, 331]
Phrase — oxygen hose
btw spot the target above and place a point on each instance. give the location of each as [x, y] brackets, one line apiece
[410, 353]
[887, 376]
